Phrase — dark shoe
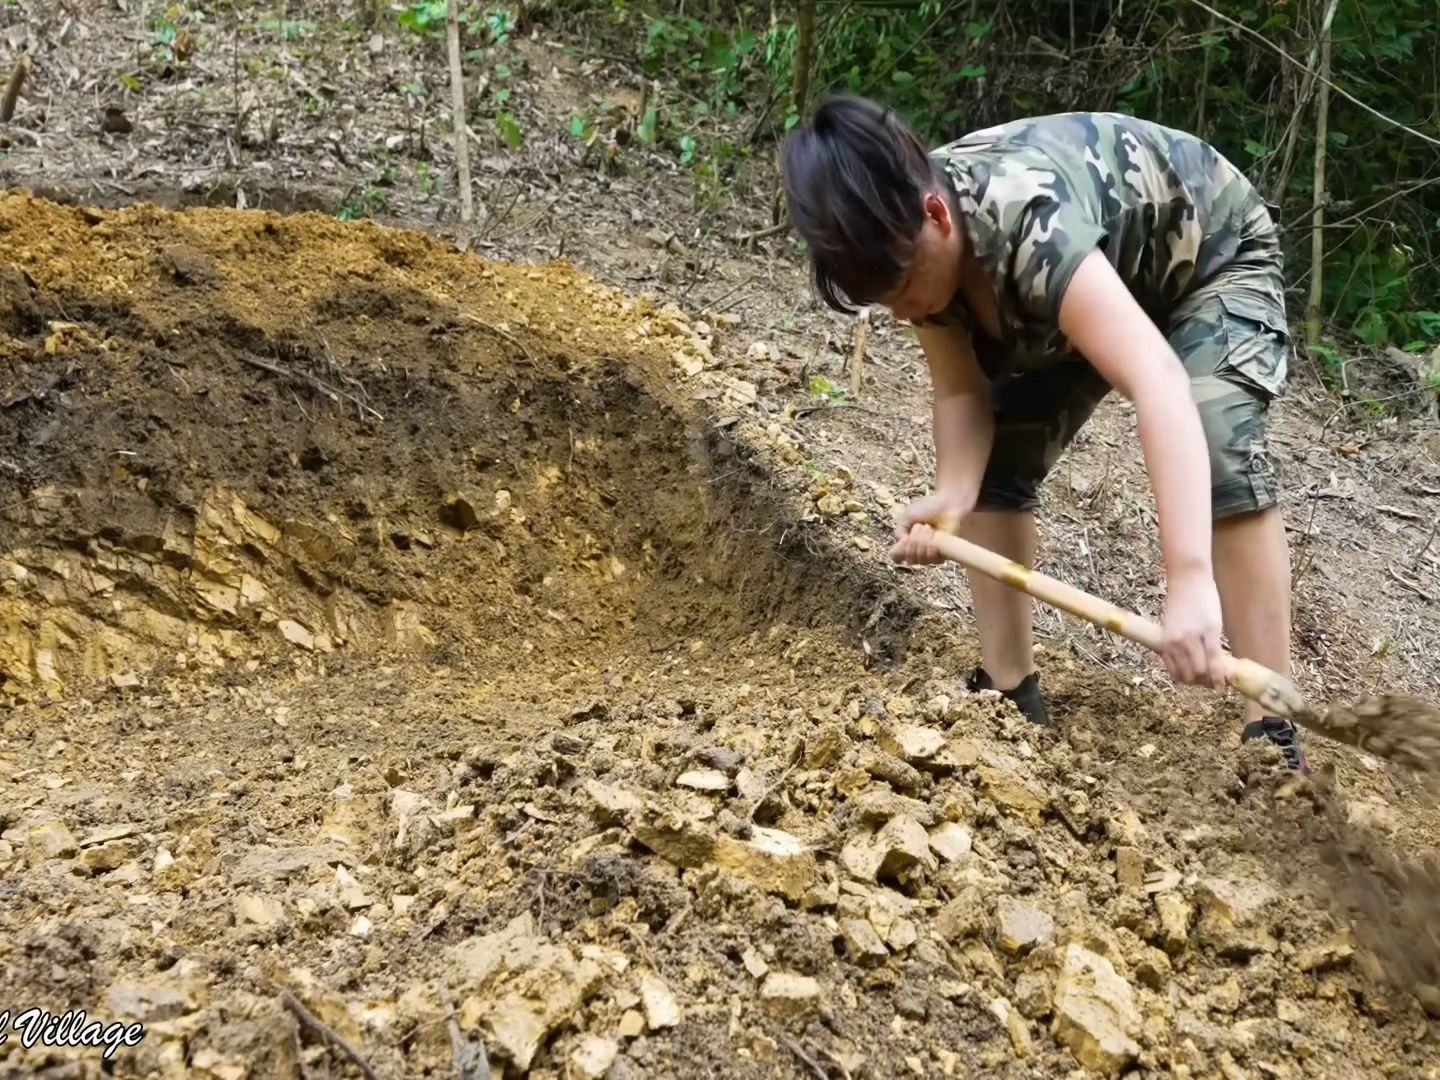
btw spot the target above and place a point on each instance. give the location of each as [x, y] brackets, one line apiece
[1283, 734]
[1026, 696]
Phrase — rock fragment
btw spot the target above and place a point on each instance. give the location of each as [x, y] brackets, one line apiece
[862, 944]
[661, 1008]
[1236, 917]
[1011, 792]
[1175, 914]
[594, 1056]
[1095, 1013]
[771, 859]
[704, 780]
[951, 842]
[1130, 866]
[1020, 927]
[50, 840]
[788, 996]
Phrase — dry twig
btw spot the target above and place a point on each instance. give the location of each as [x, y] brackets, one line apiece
[457, 104]
[810, 1063]
[322, 1029]
[511, 338]
[331, 392]
[471, 1061]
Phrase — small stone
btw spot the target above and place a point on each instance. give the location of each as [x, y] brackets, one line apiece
[864, 543]
[1020, 927]
[754, 963]
[661, 1008]
[789, 996]
[594, 1056]
[950, 841]
[1331, 954]
[1032, 994]
[1287, 1011]
[1175, 915]
[361, 927]
[1012, 793]
[1130, 866]
[911, 1004]
[1429, 998]
[296, 634]
[962, 917]
[50, 840]
[917, 745]
[1225, 997]
[352, 895]
[775, 861]
[826, 749]
[631, 1024]
[612, 804]
[1124, 827]
[900, 775]
[111, 856]
[683, 842]
[704, 780]
[1095, 1013]
[1015, 1025]
[877, 806]
[862, 944]
[264, 911]
[1235, 917]
[107, 833]
[1153, 969]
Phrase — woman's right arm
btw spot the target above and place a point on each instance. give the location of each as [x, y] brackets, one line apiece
[963, 430]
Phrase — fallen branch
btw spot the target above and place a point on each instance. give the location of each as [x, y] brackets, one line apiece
[471, 1061]
[331, 392]
[511, 338]
[810, 1063]
[1411, 585]
[320, 1028]
[1425, 549]
[761, 234]
[12, 88]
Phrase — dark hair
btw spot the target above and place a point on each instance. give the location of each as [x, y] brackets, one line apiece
[855, 179]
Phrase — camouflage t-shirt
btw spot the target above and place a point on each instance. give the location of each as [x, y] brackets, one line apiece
[1038, 195]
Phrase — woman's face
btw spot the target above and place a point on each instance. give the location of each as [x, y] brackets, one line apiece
[933, 276]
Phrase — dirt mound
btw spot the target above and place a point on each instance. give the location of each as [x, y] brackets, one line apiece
[231, 434]
[395, 658]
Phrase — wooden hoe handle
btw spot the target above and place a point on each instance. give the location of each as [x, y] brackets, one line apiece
[1271, 690]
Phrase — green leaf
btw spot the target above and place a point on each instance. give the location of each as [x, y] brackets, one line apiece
[509, 130]
[502, 95]
[902, 78]
[1255, 149]
[133, 84]
[972, 71]
[577, 127]
[646, 131]
[978, 30]
[1339, 138]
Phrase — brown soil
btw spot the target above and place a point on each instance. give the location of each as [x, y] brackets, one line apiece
[384, 626]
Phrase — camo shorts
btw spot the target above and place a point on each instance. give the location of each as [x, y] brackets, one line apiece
[1231, 334]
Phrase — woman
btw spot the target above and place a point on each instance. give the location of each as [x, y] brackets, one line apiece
[1043, 263]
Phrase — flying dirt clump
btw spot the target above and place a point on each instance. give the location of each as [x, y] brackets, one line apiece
[401, 668]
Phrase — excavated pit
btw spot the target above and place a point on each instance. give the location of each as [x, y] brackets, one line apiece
[390, 632]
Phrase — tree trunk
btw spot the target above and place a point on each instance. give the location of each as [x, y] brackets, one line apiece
[1317, 222]
[804, 52]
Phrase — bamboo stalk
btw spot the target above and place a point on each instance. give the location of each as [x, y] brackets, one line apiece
[457, 106]
[1317, 221]
[12, 88]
